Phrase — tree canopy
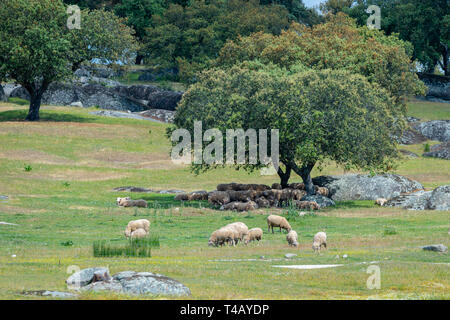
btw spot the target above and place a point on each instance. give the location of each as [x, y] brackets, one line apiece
[190, 37]
[37, 48]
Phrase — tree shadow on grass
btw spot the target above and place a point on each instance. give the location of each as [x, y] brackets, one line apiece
[45, 116]
[158, 201]
[360, 204]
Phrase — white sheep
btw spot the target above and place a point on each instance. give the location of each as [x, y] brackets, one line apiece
[381, 201]
[292, 238]
[137, 224]
[320, 239]
[278, 221]
[241, 228]
[138, 234]
[119, 200]
[222, 236]
[127, 203]
[253, 234]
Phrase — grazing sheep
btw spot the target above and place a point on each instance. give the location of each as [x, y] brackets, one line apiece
[240, 227]
[381, 201]
[218, 197]
[292, 238]
[311, 205]
[222, 236]
[253, 234]
[133, 203]
[320, 239]
[278, 221]
[118, 200]
[138, 234]
[137, 224]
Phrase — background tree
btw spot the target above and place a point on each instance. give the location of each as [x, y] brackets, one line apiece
[421, 22]
[37, 48]
[190, 37]
[297, 10]
[321, 115]
[139, 15]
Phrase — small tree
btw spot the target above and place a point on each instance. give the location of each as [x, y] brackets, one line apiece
[321, 115]
[37, 48]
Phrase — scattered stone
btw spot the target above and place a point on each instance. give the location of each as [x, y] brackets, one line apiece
[165, 116]
[8, 224]
[337, 256]
[140, 283]
[322, 201]
[435, 248]
[290, 255]
[84, 277]
[345, 256]
[434, 130]
[4, 197]
[172, 191]
[441, 151]
[78, 104]
[117, 114]
[365, 187]
[262, 257]
[409, 153]
[53, 294]
[133, 189]
[412, 119]
[13, 256]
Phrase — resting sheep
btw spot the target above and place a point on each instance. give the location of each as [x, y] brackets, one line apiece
[320, 239]
[218, 197]
[137, 224]
[240, 206]
[381, 201]
[278, 221]
[127, 203]
[253, 234]
[292, 238]
[323, 191]
[311, 205]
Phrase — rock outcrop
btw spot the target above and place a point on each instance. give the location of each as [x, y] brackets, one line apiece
[438, 130]
[438, 86]
[128, 282]
[2, 94]
[365, 187]
[438, 199]
[441, 151]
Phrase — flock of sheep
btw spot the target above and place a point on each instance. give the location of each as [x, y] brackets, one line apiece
[247, 197]
[232, 233]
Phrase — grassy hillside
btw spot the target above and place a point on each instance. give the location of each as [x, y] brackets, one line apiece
[60, 173]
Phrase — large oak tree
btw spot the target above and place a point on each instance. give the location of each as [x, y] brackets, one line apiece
[37, 47]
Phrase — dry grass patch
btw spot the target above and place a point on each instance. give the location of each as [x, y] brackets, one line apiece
[77, 175]
[34, 156]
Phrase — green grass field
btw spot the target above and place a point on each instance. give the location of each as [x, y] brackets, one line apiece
[60, 173]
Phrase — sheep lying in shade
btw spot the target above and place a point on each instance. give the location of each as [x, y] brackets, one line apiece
[292, 238]
[311, 205]
[320, 239]
[127, 203]
[218, 197]
[222, 236]
[240, 206]
[254, 234]
[136, 225]
[278, 221]
[381, 201]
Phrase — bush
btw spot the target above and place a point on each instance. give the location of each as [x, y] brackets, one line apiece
[133, 248]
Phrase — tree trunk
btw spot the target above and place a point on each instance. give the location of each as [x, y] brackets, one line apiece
[305, 173]
[35, 105]
[284, 176]
[139, 59]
